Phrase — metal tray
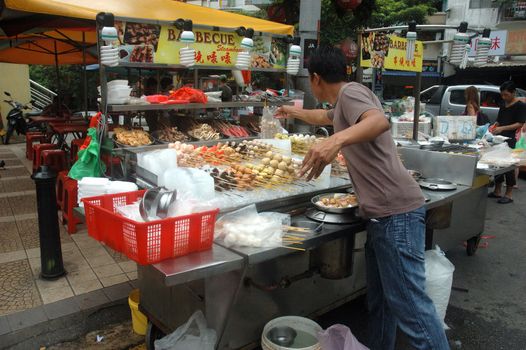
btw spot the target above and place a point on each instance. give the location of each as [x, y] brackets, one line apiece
[121, 145]
[315, 199]
[155, 136]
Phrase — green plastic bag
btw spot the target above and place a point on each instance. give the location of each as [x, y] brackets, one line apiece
[521, 144]
[88, 163]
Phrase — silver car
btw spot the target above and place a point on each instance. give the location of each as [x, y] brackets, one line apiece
[443, 100]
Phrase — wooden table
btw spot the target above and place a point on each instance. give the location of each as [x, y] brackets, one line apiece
[60, 131]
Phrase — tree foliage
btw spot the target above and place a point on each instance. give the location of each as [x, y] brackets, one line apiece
[71, 83]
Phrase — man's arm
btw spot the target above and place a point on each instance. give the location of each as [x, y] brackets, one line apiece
[371, 124]
[309, 116]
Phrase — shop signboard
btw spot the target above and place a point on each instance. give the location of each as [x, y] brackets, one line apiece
[516, 42]
[498, 43]
[380, 50]
[160, 44]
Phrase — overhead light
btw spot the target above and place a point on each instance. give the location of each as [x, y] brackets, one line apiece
[109, 55]
[294, 61]
[483, 46]
[247, 44]
[460, 46]
[187, 54]
[411, 41]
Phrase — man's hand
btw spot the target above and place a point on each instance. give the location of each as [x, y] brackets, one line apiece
[319, 156]
[288, 112]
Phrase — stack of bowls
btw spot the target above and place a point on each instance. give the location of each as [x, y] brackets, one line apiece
[118, 92]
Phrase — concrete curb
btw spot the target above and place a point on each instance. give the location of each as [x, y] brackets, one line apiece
[66, 319]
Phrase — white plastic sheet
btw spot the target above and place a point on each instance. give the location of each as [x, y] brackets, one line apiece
[439, 280]
[193, 335]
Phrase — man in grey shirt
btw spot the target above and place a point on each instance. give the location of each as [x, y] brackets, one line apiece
[389, 199]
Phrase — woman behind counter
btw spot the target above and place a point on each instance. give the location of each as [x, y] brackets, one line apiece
[471, 95]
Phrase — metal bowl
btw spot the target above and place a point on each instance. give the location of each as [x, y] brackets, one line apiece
[282, 336]
[317, 198]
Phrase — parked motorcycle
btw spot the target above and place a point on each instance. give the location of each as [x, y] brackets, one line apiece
[16, 118]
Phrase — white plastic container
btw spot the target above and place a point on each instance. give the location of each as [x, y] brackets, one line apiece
[299, 324]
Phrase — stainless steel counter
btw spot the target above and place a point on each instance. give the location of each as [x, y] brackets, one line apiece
[494, 171]
[438, 198]
[188, 268]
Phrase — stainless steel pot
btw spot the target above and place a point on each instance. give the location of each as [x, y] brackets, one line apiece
[334, 259]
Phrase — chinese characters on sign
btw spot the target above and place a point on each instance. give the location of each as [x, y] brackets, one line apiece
[392, 55]
[498, 43]
[150, 43]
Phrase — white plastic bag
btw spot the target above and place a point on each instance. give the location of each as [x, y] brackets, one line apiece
[193, 335]
[339, 337]
[245, 227]
[499, 155]
[439, 280]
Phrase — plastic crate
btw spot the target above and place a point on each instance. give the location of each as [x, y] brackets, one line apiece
[147, 242]
[405, 129]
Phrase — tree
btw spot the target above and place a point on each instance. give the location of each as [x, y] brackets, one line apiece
[336, 24]
[71, 83]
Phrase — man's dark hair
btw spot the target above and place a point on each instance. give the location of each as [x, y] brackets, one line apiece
[508, 86]
[329, 63]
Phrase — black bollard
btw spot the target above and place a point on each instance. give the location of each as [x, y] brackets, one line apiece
[50, 249]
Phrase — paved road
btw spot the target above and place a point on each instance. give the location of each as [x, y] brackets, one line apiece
[492, 313]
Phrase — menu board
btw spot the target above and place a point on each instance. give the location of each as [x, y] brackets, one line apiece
[380, 50]
[150, 43]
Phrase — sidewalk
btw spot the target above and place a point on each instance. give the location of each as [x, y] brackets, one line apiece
[96, 275]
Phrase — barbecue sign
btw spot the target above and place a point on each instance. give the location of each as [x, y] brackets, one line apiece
[160, 44]
[389, 51]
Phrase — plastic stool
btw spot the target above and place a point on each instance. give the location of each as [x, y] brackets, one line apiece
[61, 180]
[31, 138]
[74, 149]
[37, 152]
[54, 158]
[69, 203]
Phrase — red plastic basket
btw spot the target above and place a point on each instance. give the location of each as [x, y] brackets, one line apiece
[147, 242]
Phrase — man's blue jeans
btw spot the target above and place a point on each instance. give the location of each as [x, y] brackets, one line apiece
[396, 284]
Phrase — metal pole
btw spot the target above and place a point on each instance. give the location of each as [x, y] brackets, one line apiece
[416, 94]
[57, 75]
[84, 75]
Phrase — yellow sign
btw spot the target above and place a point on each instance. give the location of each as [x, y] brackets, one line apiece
[389, 51]
[149, 43]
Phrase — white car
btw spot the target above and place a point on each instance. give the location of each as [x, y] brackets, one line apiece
[443, 99]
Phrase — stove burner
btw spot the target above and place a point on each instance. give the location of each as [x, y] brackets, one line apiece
[437, 184]
[331, 218]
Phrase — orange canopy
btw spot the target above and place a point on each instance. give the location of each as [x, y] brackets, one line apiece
[162, 10]
[42, 51]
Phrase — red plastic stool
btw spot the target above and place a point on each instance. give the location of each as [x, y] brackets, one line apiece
[31, 138]
[69, 203]
[75, 147]
[37, 153]
[62, 178]
[55, 159]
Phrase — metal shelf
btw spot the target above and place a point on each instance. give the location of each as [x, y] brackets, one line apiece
[142, 65]
[187, 106]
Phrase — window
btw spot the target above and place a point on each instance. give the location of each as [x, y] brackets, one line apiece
[457, 97]
[425, 96]
[490, 99]
[483, 4]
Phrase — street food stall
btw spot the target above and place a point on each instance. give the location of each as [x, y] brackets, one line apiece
[311, 258]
